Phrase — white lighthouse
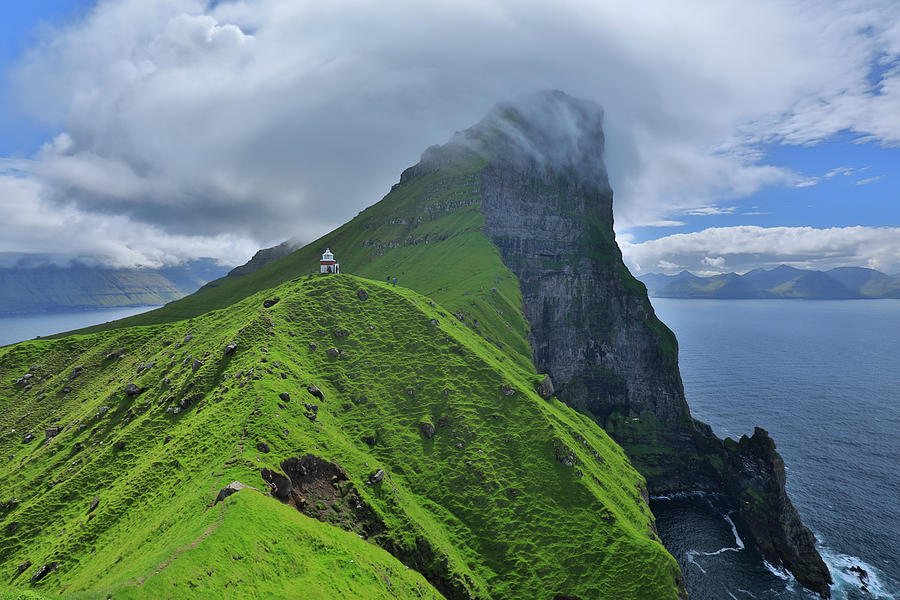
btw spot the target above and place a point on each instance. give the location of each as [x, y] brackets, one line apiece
[327, 264]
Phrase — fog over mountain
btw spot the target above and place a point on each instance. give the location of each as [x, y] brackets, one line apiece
[187, 128]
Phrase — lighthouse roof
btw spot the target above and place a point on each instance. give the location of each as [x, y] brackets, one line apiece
[327, 255]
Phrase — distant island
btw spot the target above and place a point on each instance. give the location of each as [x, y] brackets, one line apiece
[50, 288]
[842, 283]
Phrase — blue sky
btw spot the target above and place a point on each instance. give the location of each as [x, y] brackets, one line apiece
[866, 191]
[738, 135]
[20, 26]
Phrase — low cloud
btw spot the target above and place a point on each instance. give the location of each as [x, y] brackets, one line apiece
[869, 180]
[219, 126]
[739, 249]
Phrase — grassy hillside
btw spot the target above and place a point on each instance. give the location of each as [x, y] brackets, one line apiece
[488, 490]
[426, 232]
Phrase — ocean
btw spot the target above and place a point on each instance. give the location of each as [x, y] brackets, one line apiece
[25, 327]
[823, 377]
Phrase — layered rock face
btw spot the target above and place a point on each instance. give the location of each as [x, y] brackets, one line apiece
[547, 206]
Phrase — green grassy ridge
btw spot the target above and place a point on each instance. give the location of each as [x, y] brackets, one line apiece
[500, 516]
[427, 232]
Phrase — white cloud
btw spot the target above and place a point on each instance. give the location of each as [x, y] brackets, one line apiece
[705, 211]
[807, 182]
[869, 180]
[840, 171]
[717, 262]
[747, 247]
[32, 224]
[262, 120]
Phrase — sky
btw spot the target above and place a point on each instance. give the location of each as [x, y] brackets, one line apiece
[738, 135]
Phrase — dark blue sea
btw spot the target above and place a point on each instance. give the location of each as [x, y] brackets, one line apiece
[25, 327]
[823, 377]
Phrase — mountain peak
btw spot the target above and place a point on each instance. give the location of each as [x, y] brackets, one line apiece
[547, 130]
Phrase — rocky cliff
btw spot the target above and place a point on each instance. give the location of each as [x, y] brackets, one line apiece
[547, 206]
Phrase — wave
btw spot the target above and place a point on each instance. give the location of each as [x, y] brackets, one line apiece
[737, 538]
[689, 494]
[846, 579]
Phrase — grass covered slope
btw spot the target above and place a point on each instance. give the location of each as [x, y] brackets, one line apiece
[427, 232]
[487, 490]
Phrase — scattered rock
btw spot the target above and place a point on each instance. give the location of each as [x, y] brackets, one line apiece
[75, 373]
[432, 304]
[188, 338]
[230, 348]
[132, 390]
[52, 432]
[564, 455]
[23, 567]
[339, 333]
[231, 488]
[315, 391]
[313, 346]
[117, 354]
[94, 504]
[362, 294]
[410, 392]
[120, 445]
[545, 388]
[427, 429]
[167, 383]
[29, 437]
[369, 439]
[12, 527]
[861, 574]
[279, 484]
[196, 365]
[507, 391]
[333, 352]
[176, 410]
[433, 321]
[167, 439]
[312, 408]
[44, 571]
[263, 447]
[285, 396]
[103, 410]
[271, 302]
[376, 477]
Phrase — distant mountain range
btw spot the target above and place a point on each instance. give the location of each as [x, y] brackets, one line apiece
[28, 290]
[842, 283]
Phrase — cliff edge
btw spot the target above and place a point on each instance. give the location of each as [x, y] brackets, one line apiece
[547, 205]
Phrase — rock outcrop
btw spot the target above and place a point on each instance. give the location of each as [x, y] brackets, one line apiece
[547, 206]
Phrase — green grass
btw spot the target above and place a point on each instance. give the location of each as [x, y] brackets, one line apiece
[426, 232]
[482, 509]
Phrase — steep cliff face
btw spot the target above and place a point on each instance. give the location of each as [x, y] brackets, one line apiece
[547, 206]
